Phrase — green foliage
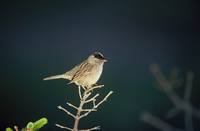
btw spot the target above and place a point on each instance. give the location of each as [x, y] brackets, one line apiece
[33, 126]
[37, 125]
[30, 125]
[9, 129]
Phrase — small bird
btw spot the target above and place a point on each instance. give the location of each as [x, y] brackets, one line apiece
[85, 74]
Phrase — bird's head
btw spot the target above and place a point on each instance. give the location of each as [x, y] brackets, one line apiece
[96, 57]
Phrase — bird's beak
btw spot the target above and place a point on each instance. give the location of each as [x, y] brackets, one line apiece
[105, 60]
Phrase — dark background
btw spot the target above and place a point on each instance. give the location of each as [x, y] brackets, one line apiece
[41, 38]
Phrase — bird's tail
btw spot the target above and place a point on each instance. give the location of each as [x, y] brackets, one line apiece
[62, 76]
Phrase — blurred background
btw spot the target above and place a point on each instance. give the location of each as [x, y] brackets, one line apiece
[42, 38]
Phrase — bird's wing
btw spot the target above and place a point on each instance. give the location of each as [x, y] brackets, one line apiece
[81, 71]
[71, 73]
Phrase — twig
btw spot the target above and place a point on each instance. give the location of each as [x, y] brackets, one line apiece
[184, 105]
[89, 110]
[157, 123]
[96, 106]
[95, 87]
[86, 95]
[64, 127]
[175, 99]
[16, 128]
[188, 89]
[84, 99]
[63, 109]
[93, 102]
[85, 114]
[91, 129]
[105, 98]
[79, 92]
[69, 104]
[91, 99]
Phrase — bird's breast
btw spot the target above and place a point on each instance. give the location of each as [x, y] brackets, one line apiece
[94, 74]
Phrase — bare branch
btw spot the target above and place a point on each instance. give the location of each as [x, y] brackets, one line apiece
[180, 104]
[72, 105]
[188, 89]
[105, 98]
[93, 102]
[89, 109]
[91, 99]
[175, 99]
[96, 106]
[64, 127]
[79, 92]
[157, 123]
[63, 109]
[85, 114]
[84, 96]
[91, 129]
[188, 121]
[95, 87]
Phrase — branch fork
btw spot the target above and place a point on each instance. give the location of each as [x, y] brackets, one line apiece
[180, 104]
[85, 98]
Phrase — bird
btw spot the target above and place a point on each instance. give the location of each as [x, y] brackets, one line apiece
[86, 74]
